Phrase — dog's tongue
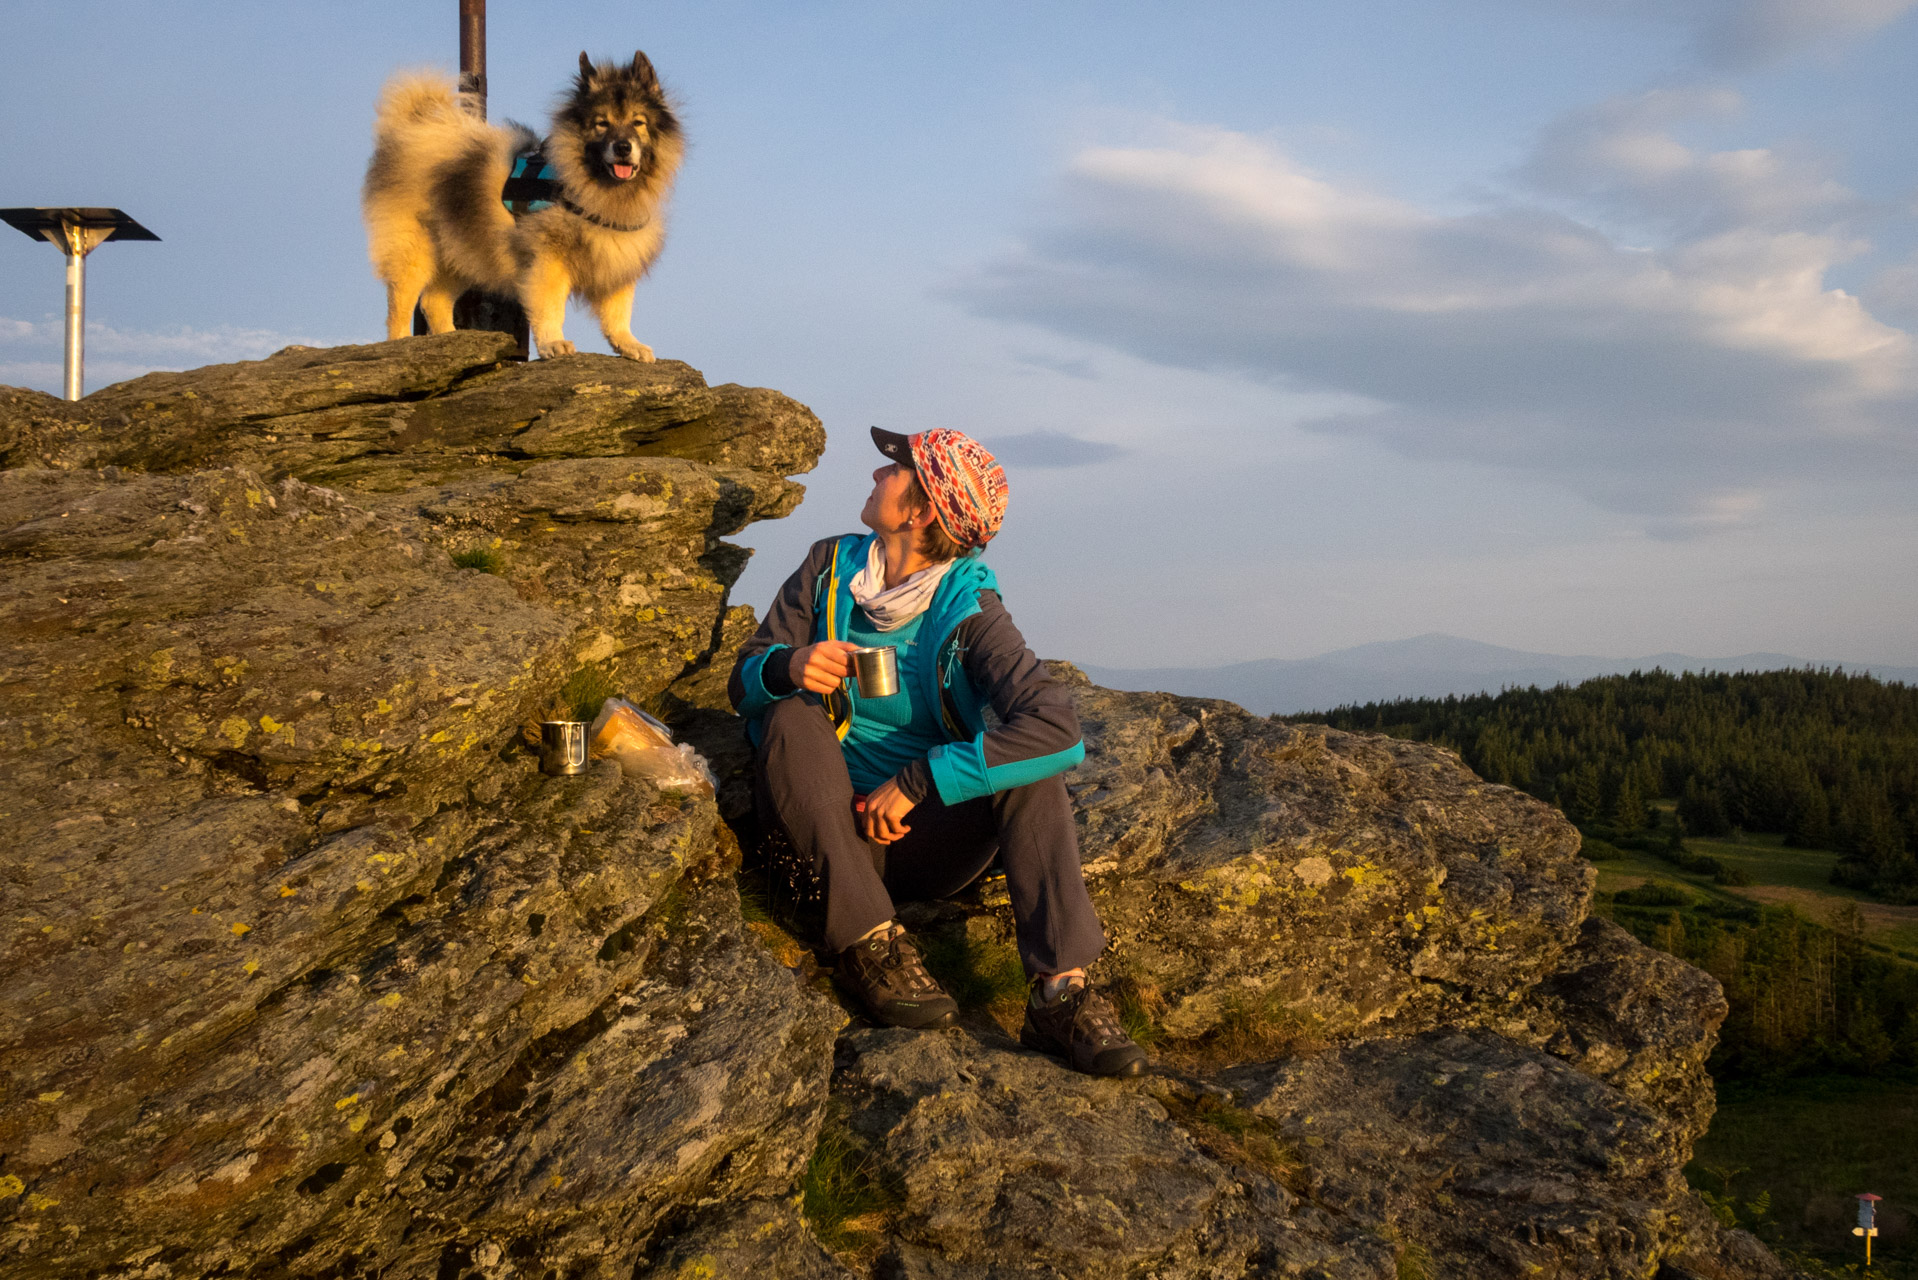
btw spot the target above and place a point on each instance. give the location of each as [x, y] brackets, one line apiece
[622, 171]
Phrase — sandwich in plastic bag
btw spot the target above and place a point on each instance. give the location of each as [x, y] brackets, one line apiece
[645, 749]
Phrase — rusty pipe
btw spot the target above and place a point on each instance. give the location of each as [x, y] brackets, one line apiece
[473, 57]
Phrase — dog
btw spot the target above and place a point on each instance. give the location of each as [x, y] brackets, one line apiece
[588, 220]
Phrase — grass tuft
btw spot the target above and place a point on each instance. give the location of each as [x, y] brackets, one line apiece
[1254, 1028]
[485, 559]
[1140, 1005]
[1241, 1137]
[981, 976]
[584, 691]
[1414, 1262]
[847, 1199]
[753, 906]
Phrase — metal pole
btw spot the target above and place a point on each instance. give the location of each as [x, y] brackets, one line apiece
[473, 57]
[76, 313]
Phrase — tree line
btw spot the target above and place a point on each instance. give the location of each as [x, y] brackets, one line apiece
[1806, 998]
[1827, 758]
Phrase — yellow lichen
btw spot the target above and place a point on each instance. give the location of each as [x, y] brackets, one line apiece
[10, 1186]
[350, 1099]
[240, 930]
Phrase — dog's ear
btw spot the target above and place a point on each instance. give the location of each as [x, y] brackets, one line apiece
[643, 69]
[585, 66]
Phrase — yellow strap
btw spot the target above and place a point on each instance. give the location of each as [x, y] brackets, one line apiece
[838, 705]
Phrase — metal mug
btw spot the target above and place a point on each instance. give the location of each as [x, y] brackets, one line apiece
[876, 671]
[562, 747]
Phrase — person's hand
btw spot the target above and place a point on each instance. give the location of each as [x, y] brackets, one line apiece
[821, 667]
[884, 818]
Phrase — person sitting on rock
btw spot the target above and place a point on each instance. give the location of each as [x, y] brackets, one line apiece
[942, 791]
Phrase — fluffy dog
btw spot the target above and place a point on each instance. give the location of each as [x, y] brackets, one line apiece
[589, 223]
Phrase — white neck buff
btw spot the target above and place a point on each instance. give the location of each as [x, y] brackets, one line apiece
[894, 607]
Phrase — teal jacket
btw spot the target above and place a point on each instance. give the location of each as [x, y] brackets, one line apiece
[980, 661]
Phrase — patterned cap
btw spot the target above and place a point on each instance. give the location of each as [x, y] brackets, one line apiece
[966, 484]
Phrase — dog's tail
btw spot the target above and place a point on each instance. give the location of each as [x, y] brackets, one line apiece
[414, 98]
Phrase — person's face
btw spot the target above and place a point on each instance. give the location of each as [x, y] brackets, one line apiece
[888, 508]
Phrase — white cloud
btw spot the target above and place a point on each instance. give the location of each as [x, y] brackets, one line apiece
[1620, 158]
[31, 353]
[1680, 381]
[1893, 291]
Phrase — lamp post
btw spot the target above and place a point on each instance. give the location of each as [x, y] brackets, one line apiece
[76, 233]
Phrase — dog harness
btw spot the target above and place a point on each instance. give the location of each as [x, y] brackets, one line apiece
[534, 185]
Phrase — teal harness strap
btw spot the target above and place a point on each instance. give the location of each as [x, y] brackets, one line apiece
[533, 184]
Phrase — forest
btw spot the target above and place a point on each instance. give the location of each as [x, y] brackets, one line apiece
[1655, 766]
[1828, 759]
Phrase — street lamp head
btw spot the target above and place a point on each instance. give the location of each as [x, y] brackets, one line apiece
[76, 233]
[57, 225]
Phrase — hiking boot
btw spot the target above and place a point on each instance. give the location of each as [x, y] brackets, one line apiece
[1080, 1027]
[885, 972]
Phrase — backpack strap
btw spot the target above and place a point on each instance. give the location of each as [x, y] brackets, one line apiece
[838, 705]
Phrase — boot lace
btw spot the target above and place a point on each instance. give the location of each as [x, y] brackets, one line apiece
[1095, 1021]
[902, 959]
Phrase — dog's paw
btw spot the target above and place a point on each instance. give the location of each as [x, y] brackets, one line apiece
[549, 350]
[633, 349]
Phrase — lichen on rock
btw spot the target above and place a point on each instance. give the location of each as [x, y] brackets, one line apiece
[308, 971]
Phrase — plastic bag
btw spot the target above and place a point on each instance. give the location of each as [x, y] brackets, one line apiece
[645, 749]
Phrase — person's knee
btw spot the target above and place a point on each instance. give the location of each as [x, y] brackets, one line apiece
[788, 718]
[1047, 795]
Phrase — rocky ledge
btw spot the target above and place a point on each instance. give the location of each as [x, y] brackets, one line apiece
[308, 971]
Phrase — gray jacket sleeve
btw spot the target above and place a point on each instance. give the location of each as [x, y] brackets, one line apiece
[1038, 731]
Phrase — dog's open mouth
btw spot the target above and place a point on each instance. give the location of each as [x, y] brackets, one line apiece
[624, 172]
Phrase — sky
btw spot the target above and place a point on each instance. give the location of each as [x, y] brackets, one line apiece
[1578, 326]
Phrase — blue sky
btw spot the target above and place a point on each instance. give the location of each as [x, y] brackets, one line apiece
[1572, 326]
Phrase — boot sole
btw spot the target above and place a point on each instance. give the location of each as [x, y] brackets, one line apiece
[1135, 1067]
[944, 1021]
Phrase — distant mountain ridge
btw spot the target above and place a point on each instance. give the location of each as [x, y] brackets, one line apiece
[1433, 665]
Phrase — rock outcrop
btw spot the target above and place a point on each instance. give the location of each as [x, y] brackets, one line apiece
[308, 971]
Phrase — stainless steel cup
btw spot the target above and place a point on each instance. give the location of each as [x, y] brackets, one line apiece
[562, 747]
[876, 670]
